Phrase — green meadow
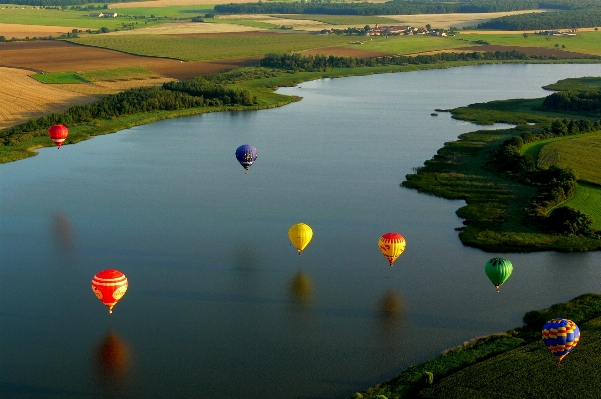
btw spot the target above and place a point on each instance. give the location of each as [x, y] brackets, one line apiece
[213, 48]
[581, 153]
[583, 42]
[100, 75]
[513, 364]
[588, 200]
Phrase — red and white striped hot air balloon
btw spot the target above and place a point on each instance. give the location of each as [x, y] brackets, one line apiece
[109, 286]
[58, 134]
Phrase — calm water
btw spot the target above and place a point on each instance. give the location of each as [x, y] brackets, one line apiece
[219, 305]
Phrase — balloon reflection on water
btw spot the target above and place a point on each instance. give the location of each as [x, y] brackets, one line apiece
[62, 232]
[301, 288]
[112, 357]
[390, 305]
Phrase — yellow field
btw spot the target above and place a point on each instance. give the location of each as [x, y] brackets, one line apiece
[25, 98]
[21, 31]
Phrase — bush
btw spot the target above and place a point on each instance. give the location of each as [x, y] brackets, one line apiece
[567, 220]
[428, 378]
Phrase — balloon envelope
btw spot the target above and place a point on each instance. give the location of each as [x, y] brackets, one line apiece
[560, 336]
[300, 235]
[498, 271]
[246, 154]
[109, 286]
[58, 134]
[392, 246]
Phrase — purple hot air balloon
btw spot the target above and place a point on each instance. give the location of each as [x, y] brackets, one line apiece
[246, 154]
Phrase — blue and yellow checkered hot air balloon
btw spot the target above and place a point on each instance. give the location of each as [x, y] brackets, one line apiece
[561, 336]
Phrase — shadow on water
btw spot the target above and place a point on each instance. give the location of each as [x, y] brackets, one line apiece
[62, 232]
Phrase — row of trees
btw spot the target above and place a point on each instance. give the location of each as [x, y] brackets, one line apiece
[389, 8]
[298, 62]
[589, 101]
[555, 185]
[172, 96]
[547, 20]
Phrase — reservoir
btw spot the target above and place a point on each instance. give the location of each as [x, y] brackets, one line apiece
[219, 304]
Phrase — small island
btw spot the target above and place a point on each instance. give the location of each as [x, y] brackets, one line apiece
[534, 187]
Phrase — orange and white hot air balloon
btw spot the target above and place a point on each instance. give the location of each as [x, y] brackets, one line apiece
[109, 286]
[58, 134]
[392, 246]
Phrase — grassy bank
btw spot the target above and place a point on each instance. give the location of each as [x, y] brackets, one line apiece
[513, 364]
[495, 213]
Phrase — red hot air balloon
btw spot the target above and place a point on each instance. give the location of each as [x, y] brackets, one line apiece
[109, 286]
[58, 134]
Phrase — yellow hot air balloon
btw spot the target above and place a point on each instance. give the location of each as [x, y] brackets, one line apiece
[392, 246]
[300, 235]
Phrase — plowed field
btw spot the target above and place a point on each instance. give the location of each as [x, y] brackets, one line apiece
[59, 56]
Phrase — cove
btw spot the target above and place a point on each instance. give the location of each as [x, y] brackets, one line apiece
[215, 305]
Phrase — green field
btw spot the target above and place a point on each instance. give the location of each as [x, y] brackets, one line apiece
[514, 364]
[214, 48]
[581, 153]
[411, 44]
[55, 78]
[100, 75]
[588, 200]
[580, 84]
[343, 20]
[583, 42]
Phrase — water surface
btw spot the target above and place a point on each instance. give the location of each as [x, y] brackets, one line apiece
[219, 304]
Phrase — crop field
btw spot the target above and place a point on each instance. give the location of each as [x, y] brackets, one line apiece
[588, 200]
[529, 372]
[99, 75]
[26, 98]
[581, 153]
[583, 42]
[215, 47]
[343, 20]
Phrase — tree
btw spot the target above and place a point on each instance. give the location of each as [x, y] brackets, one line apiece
[525, 35]
[104, 29]
[567, 220]
[2, 38]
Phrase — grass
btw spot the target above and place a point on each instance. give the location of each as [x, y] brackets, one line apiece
[214, 48]
[514, 364]
[59, 77]
[581, 153]
[581, 84]
[588, 200]
[495, 203]
[100, 75]
[343, 20]
[411, 44]
[583, 42]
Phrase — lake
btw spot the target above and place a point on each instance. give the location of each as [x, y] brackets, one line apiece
[219, 304]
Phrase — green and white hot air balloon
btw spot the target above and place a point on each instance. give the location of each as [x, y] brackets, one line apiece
[498, 271]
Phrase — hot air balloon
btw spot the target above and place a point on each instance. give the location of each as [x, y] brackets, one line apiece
[392, 246]
[300, 235]
[561, 336]
[246, 154]
[58, 134]
[498, 271]
[109, 286]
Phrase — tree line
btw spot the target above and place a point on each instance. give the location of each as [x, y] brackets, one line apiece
[588, 101]
[193, 93]
[389, 8]
[315, 63]
[555, 185]
[546, 20]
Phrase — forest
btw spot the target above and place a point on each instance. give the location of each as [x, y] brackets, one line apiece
[588, 18]
[400, 7]
[589, 101]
